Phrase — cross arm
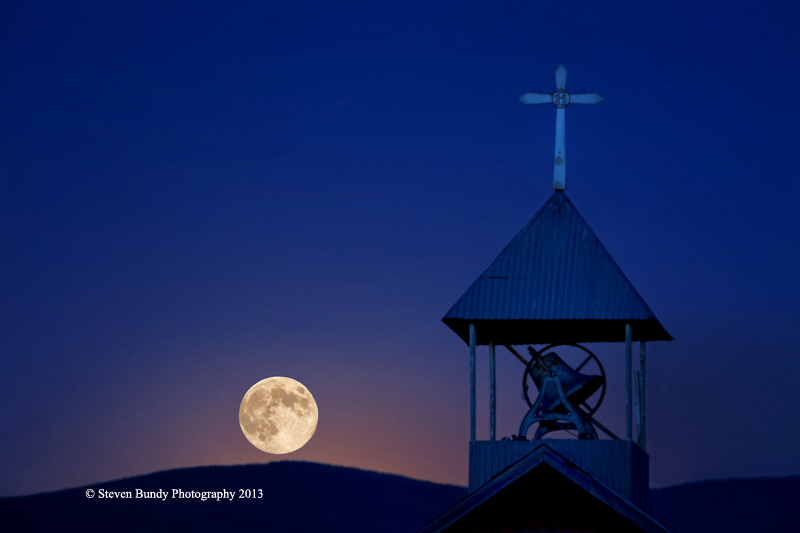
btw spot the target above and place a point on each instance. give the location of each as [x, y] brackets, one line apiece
[588, 98]
[536, 98]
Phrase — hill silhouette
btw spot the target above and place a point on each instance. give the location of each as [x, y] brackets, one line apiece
[297, 497]
[731, 505]
[302, 497]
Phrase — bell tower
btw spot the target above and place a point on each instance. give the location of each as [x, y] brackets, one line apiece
[555, 285]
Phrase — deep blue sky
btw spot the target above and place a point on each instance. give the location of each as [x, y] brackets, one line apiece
[198, 196]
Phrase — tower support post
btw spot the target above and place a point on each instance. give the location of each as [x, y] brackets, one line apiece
[628, 380]
[641, 422]
[471, 382]
[492, 394]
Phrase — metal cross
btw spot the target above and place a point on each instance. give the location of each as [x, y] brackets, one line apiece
[561, 99]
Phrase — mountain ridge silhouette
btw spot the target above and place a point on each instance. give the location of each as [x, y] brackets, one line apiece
[300, 496]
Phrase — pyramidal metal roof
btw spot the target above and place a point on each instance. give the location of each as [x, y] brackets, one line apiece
[554, 282]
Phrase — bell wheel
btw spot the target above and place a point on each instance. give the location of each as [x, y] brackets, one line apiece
[581, 360]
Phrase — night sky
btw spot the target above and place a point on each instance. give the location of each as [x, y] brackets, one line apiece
[197, 196]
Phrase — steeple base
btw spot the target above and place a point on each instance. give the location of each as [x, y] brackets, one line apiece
[619, 464]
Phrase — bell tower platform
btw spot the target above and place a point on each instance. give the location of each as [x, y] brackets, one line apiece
[620, 465]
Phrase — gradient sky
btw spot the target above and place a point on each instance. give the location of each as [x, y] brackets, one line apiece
[196, 196]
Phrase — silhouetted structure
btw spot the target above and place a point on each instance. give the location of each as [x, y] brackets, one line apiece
[556, 284]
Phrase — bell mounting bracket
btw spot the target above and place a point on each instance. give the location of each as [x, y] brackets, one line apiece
[574, 417]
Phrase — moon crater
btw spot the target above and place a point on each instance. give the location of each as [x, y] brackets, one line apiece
[278, 415]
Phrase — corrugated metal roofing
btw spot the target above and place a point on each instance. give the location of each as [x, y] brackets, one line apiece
[554, 282]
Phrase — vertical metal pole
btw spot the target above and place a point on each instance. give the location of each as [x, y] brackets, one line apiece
[560, 163]
[636, 403]
[642, 418]
[471, 382]
[492, 393]
[628, 419]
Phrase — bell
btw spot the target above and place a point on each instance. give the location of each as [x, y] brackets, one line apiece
[577, 387]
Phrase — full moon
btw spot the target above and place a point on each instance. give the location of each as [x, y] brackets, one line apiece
[278, 415]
